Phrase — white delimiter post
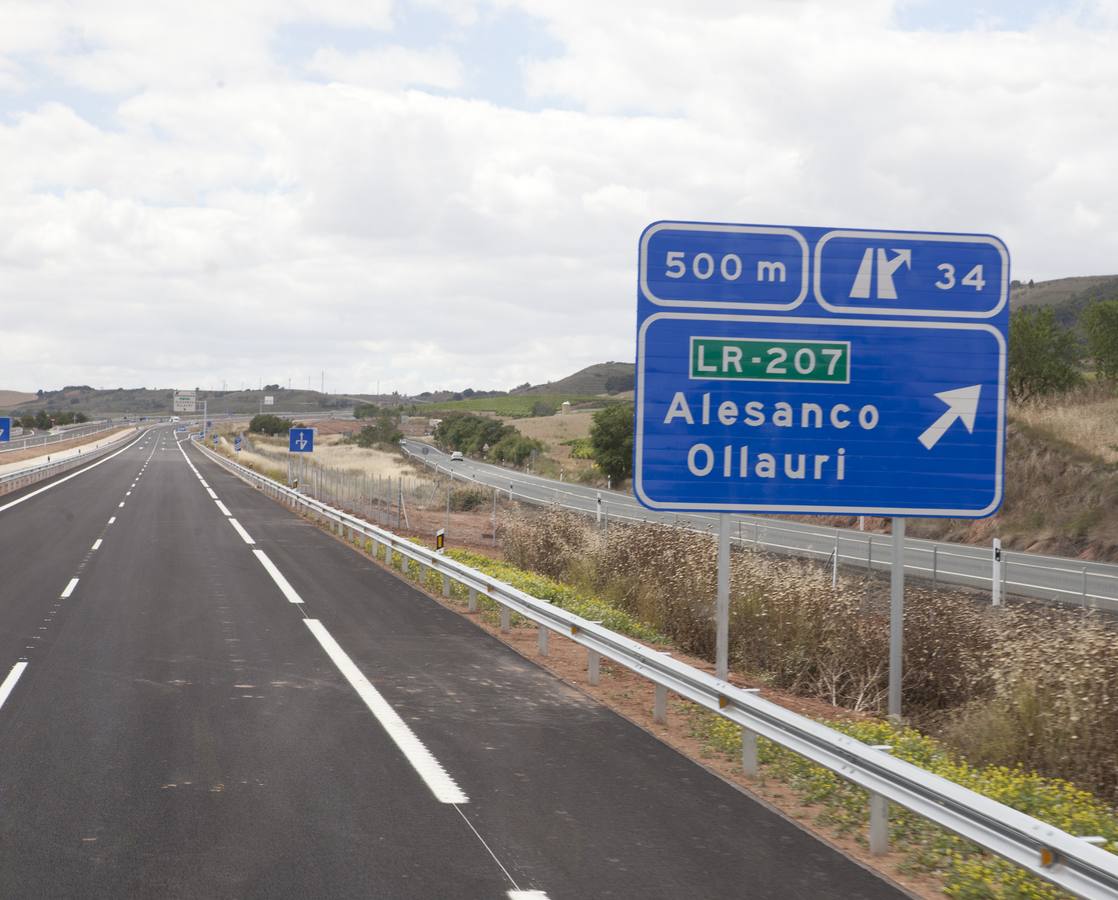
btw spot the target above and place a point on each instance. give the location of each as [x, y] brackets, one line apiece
[996, 578]
[896, 620]
[722, 607]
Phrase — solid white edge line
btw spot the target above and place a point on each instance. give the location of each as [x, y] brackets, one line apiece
[66, 478]
[527, 895]
[69, 589]
[245, 536]
[96, 544]
[422, 760]
[277, 576]
[224, 509]
[10, 681]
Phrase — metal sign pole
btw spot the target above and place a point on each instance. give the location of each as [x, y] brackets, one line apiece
[722, 606]
[896, 620]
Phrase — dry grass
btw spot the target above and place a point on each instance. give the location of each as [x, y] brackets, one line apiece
[553, 431]
[1087, 419]
[331, 453]
[9, 399]
[1028, 688]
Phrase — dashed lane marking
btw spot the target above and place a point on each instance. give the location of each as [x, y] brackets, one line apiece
[277, 576]
[96, 544]
[244, 534]
[10, 681]
[422, 760]
[69, 589]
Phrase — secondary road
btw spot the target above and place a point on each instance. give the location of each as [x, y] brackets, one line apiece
[1047, 578]
[203, 695]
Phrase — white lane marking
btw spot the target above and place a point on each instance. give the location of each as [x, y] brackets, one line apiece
[96, 544]
[112, 519]
[277, 576]
[69, 589]
[10, 681]
[527, 895]
[224, 509]
[210, 491]
[65, 478]
[422, 760]
[119, 505]
[127, 493]
[244, 534]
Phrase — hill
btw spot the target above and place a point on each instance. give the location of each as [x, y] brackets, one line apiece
[601, 378]
[157, 401]
[1059, 290]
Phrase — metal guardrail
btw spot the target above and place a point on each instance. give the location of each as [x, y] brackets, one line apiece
[70, 432]
[1092, 587]
[1071, 862]
[20, 478]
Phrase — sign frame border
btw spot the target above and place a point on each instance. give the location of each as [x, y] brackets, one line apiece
[906, 512]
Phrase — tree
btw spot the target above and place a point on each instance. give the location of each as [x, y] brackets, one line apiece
[384, 430]
[1100, 322]
[611, 439]
[270, 424]
[1043, 357]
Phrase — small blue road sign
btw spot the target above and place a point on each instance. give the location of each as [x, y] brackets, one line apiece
[814, 370]
[237, 443]
[5, 428]
[300, 440]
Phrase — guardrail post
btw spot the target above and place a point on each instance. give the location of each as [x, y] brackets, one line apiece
[935, 554]
[506, 619]
[471, 603]
[660, 705]
[541, 641]
[1084, 585]
[750, 766]
[879, 816]
[446, 585]
[593, 663]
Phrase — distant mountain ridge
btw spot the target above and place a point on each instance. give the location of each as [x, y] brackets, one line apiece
[600, 378]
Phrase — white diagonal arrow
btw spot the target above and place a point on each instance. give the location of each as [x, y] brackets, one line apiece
[962, 403]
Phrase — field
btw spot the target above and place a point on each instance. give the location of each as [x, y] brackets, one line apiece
[516, 406]
[1086, 421]
[8, 399]
[554, 431]
[329, 451]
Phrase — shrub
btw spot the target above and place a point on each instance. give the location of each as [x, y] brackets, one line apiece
[270, 424]
[547, 542]
[1043, 357]
[463, 499]
[611, 437]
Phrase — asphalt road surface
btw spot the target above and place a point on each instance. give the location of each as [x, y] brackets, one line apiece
[202, 695]
[1046, 578]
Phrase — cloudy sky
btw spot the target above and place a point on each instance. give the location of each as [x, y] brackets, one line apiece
[448, 193]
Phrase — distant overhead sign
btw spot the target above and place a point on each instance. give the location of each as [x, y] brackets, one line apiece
[5, 428]
[300, 440]
[814, 370]
[184, 401]
[269, 400]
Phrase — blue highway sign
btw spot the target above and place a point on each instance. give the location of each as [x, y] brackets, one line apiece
[5, 428]
[300, 440]
[237, 443]
[813, 370]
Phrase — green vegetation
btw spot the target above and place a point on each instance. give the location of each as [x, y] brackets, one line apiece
[516, 406]
[968, 871]
[483, 436]
[611, 439]
[44, 420]
[1043, 356]
[564, 596]
[384, 430]
[1100, 322]
[267, 423]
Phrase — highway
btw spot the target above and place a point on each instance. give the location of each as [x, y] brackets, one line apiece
[1045, 578]
[204, 695]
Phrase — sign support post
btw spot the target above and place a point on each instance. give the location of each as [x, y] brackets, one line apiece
[996, 580]
[722, 606]
[896, 621]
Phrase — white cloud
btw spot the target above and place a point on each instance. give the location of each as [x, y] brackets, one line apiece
[390, 67]
[233, 221]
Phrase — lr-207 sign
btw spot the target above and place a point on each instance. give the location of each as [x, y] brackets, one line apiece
[815, 370]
